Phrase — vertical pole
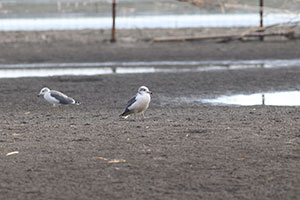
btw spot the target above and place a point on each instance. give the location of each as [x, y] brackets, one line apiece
[113, 30]
[261, 14]
[263, 99]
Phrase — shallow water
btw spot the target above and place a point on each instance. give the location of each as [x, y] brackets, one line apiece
[89, 69]
[281, 98]
[133, 22]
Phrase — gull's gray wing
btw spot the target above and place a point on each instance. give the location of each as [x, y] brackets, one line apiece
[129, 103]
[62, 98]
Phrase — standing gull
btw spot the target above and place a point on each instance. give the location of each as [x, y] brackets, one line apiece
[57, 98]
[138, 103]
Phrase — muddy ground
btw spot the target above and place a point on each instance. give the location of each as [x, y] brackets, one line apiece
[136, 45]
[182, 150]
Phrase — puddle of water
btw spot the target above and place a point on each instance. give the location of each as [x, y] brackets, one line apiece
[284, 98]
[45, 72]
[19, 73]
[226, 64]
[88, 69]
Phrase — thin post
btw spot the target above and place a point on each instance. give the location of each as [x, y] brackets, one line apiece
[261, 14]
[263, 99]
[113, 30]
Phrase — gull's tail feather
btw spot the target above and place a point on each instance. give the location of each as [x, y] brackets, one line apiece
[77, 102]
[125, 114]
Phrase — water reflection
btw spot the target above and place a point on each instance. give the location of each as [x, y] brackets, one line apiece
[283, 98]
[19, 73]
[98, 68]
[153, 21]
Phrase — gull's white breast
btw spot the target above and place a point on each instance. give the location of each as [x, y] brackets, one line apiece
[142, 103]
[50, 99]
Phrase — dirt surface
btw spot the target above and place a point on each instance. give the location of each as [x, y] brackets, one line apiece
[182, 150]
[94, 46]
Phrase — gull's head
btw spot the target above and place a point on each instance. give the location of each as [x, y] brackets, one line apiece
[44, 91]
[144, 90]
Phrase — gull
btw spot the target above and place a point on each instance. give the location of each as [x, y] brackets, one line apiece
[56, 98]
[138, 103]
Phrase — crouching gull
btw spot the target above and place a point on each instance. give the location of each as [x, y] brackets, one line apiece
[57, 98]
[138, 103]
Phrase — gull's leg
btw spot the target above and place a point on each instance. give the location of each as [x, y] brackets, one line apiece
[134, 116]
[60, 108]
[52, 108]
[143, 116]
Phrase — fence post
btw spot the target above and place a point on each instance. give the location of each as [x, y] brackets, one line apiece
[261, 14]
[113, 30]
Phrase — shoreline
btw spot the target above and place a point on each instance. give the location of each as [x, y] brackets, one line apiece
[134, 45]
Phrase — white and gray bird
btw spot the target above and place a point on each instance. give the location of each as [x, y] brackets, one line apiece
[56, 98]
[138, 103]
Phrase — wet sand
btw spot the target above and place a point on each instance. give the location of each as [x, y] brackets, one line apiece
[181, 150]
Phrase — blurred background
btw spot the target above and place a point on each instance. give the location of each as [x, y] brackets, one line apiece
[18, 15]
[78, 34]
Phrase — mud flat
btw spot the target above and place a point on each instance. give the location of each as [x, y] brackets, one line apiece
[136, 45]
[182, 150]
